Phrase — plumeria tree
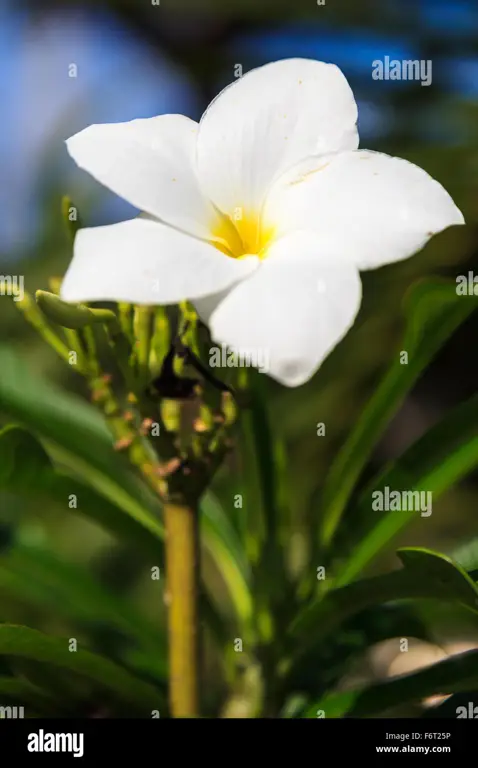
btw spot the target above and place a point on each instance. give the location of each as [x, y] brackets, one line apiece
[244, 263]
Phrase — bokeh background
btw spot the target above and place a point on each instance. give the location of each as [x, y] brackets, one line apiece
[135, 58]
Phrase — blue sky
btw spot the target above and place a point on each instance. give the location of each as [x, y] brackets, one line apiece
[120, 79]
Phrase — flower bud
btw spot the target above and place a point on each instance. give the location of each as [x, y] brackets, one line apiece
[72, 316]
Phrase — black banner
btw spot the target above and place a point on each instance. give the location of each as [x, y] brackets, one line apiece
[90, 741]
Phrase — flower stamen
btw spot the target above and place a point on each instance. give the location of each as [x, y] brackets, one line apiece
[242, 235]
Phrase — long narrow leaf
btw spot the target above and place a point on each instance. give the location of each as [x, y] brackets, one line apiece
[442, 457]
[433, 311]
[18, 641]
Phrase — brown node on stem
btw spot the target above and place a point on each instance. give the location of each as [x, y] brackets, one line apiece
[146, 425]
[98, 394]
[169, 468]
[123, 443]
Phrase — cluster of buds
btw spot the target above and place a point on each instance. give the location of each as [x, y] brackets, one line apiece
[164, 408]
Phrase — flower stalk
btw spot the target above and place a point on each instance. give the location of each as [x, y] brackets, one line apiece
[183, 575]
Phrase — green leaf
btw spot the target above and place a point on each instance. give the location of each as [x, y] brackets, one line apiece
[229, 556]
[26, 469]
[23, 693]
[325, 661]
[333, 705]
[467, 556]
[439, 459]
[80, 431]
[455, 674]
[264, 508]
[425, 574]
[77, 434]
[37, 577]
[70, 694]
[259, 469]
[433, 311]
[18, 641]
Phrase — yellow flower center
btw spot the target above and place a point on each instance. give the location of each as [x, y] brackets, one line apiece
[242, 235]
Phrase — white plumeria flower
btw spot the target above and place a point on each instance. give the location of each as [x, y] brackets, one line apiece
[261, 215]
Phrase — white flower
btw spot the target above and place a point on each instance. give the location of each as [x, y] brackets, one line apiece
[261, 215]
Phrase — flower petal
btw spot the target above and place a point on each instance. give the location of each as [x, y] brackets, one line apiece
[378, 208]
[293, 310]
[206, 306]
[150, 163]
[267, 121]
[145, 262]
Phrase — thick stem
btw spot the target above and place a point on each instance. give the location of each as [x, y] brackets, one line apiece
[182, 579]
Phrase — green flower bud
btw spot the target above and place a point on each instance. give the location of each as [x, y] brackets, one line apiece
[72, 316]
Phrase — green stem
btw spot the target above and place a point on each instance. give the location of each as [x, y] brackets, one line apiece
[73, 340]
[90, 343]
[143, 317]
[126, 432]
[125, 312]
[161, 340]
[127, 436]
[182, 577]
